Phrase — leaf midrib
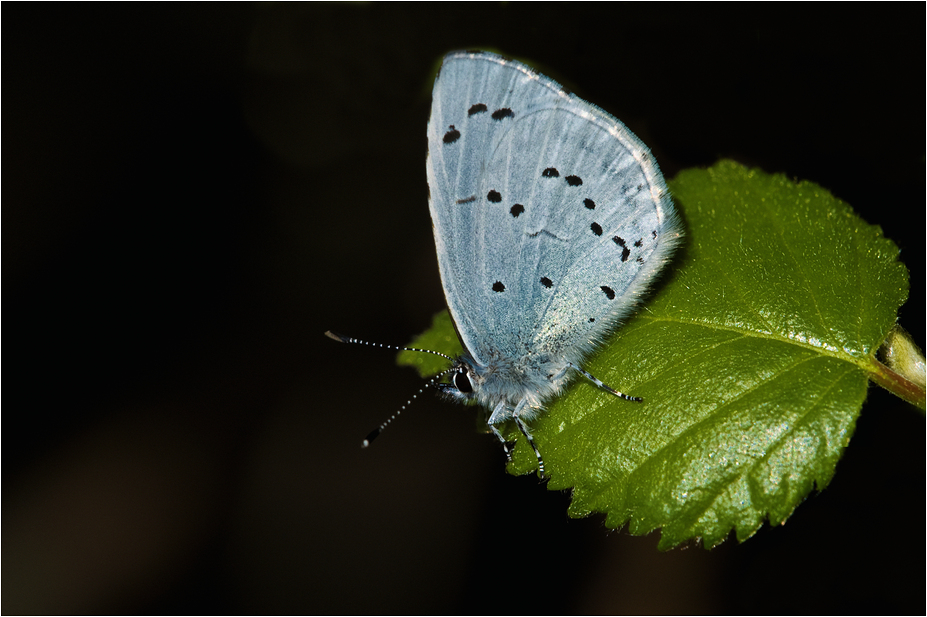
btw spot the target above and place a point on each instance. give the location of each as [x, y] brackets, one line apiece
[773, 336]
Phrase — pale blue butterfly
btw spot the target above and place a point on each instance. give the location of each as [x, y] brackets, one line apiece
[551, 219]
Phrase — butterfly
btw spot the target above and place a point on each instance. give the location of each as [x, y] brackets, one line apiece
[551, 220]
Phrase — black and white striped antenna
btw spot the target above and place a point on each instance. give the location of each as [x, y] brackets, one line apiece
[431, 382]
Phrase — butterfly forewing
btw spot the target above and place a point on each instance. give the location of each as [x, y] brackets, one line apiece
[549, 215]
[475, 101]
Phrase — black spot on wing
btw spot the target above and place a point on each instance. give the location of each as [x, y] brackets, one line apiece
[517, 209]
[589, 204]
[452, 135]
[476, 109]
[609, 292]
[574, 180]
[639, 243]
[546, 233]
[505, 112]
[596, 229]
[546, 282]
[498, 286]
[625, 251]
[494, 197]
[551, 172]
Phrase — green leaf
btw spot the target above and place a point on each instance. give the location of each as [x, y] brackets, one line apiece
[439, 337]
[753, 359]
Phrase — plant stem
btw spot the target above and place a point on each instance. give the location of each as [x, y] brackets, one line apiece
[897, 385]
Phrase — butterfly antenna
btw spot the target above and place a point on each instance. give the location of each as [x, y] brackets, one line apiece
[431, 382]
[347, 339]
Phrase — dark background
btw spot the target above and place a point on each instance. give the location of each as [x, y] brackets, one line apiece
[194, 193]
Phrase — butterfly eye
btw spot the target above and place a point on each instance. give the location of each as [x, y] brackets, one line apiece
[462, 382]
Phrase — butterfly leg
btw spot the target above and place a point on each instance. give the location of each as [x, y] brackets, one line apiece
[601, 385]
[505, 444]
[524, 431]
[500, 414]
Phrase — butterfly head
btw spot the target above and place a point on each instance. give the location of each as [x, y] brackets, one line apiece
[463, 382]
